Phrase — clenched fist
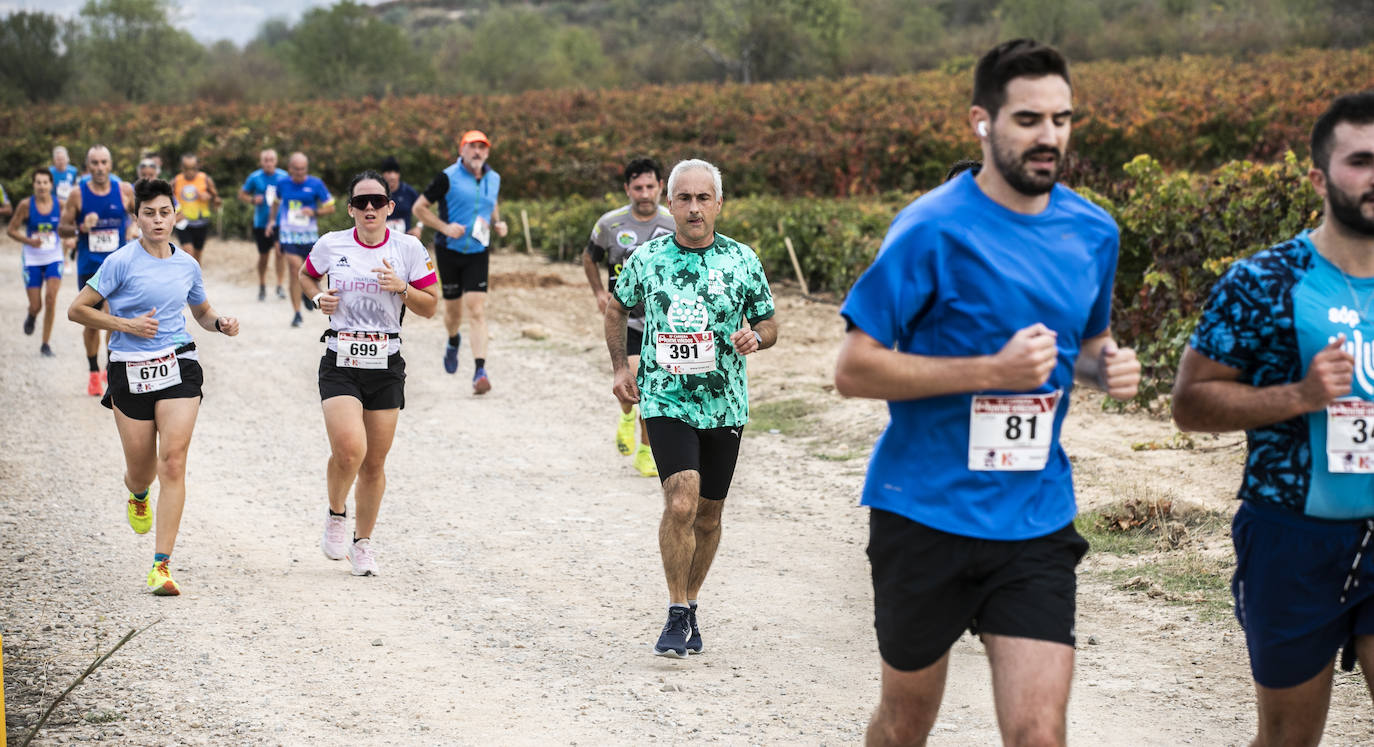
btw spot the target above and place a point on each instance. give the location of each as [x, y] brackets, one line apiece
[1027, 360]
[1118, 371]
[1328, 376]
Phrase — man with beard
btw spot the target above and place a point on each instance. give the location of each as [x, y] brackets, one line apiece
[990, 296]
[614, 238]
[1284, 352]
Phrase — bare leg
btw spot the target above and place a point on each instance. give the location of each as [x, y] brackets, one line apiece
[907, 708]
[676, 533]
[343, 422]
[50, 288]
[1030, 685]
[453, 315]
[35, 302]
[706, 531]
[476, 306]
[293, 263]
[1364, 648]
[1295, 716]
[367, 494]
[176, 419]
[139, 439]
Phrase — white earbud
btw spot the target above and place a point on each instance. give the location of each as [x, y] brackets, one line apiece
[982, 129]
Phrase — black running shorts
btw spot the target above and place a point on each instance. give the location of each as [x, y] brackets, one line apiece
[461, 273]
[376, 388]
[930, 586]
[710, 452]
[634, 342]
[144, 406]
[194, 235]
[264, 242]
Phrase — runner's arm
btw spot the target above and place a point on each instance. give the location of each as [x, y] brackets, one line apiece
[84, 311]
[215, 201]
[16, 229]
[616, 316]
[423, 301]
[212, 322]
[246, 198]
[5, 206]
[126, 192]
[423, 215]
[1208, 396]
[768, 332]
[1103, 364]
[325, 208]
[271, 226]
[67, 226]
[866, 368]
[594, 278]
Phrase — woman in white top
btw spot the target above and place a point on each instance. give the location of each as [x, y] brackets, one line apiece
[154, 373]
[375, 274]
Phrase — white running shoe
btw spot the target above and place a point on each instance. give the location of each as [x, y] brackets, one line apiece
[364, 561]
[334, 541]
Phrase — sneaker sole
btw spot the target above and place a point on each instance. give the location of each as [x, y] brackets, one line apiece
[364, 573]
[693, 651]
[672, 653]
[481, 386]
[166, 590]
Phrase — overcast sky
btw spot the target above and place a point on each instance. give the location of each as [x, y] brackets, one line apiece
[207, 20]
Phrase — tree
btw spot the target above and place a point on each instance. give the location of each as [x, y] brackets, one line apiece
[33, 58]
[345, 50]
[757, 40]
[127, 49]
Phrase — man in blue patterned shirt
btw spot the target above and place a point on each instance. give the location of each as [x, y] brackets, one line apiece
[1285, 352]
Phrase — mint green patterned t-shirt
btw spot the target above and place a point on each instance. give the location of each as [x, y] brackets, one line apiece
[694, 299]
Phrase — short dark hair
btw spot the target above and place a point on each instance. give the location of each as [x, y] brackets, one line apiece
[40, 171]
[1014, 59]
[185, 156]
[391, 164]
[363, 176]
[147, 190]
[640, 166]
[960, 166]
[1355, 108]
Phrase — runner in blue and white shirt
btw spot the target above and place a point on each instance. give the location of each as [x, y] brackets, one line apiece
[301, 200]
[1285, 352]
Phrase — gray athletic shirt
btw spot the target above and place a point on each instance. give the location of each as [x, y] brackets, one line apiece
[616, 236]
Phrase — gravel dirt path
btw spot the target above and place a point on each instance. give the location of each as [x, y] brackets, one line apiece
[521, 585]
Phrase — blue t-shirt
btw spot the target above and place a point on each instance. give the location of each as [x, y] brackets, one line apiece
[134, 281]
[462, 198]
[295, 228]
[257, 184]
[1267, 316]
[958, 275]
[63, 181]
[404, 196]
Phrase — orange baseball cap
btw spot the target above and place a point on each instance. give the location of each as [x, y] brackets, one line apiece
[474, 136]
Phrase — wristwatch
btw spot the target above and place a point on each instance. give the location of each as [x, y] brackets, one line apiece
[758, 337]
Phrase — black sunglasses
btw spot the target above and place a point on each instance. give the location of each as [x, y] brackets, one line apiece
[363, 202]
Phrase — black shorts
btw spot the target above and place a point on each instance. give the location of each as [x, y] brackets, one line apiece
[461, 273]
[929, 586]
[634, 342]
[710, 452]
[376, 388]
[264, 242]
[194, 235]
[144, 406]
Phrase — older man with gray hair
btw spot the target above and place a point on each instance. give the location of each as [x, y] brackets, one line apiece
[707, 304]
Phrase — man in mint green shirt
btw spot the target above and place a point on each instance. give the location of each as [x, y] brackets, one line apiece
[706, 305]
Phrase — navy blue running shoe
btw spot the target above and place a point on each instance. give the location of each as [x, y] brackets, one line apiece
[451, 359]
[694, 640]
[673, 641]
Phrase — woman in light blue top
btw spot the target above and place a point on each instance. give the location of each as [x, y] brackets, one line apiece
[154, 374]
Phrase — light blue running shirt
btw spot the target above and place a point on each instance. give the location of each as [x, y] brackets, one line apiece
[133, 282]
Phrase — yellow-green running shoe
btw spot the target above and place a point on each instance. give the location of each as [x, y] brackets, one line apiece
[625, 433]
[644, 462]
[160, 581]
[140, 514]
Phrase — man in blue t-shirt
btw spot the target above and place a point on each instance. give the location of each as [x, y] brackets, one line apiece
[466, 213]
[990, 296]
[301, 200]
[404, 197]
[260, 191]
[1285, 352]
